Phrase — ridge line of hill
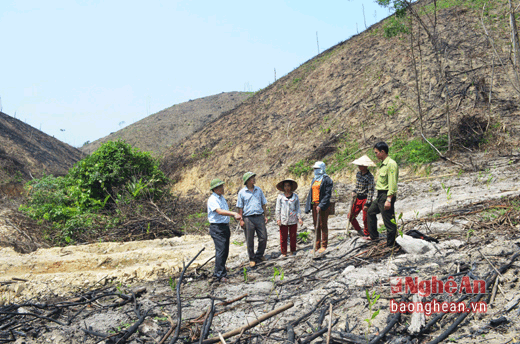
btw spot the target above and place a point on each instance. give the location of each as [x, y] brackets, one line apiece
[158, 131]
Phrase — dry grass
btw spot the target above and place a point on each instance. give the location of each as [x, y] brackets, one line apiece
[362, 90]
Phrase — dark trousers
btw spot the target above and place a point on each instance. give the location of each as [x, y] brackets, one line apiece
[255, 223]
[322, 232]
[356, 209]
[388, 215]
[292, 229]
[220, 233]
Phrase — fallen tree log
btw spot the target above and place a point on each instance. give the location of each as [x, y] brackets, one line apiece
[252, 324]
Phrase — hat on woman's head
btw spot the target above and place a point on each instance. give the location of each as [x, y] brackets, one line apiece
[294, 185]
[318, 164]
[364, 161]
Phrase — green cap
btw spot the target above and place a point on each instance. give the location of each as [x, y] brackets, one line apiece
[215, 183]
[247, 176]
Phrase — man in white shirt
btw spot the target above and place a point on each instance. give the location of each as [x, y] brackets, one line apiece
[218, 217]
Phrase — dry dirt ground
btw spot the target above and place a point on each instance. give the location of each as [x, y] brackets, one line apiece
[470, 214]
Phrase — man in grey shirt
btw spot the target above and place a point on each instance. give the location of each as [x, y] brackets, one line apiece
[251, 204]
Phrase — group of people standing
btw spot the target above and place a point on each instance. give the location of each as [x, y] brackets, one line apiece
[252, 211]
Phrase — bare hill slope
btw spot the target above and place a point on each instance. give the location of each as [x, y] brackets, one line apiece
[364, 90]
[157, 132]
[26, 151]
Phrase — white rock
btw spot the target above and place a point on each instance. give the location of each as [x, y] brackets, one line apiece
[349, 269]
[18, 289]
[414, 246]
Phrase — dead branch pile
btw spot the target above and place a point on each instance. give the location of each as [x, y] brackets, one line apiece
[196, 306]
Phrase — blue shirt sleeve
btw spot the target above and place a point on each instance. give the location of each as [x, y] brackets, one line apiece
[263, 199]
[240, 202]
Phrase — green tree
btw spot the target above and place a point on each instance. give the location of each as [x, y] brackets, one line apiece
[115, 165]
[399, 6]
[77, 201]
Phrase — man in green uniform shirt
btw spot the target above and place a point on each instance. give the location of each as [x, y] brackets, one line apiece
[386, 187]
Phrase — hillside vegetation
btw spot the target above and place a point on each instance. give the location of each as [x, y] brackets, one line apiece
[165, 128]
[337, 105]
[101, 192]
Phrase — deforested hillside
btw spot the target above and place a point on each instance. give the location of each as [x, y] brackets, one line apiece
[26, 151]
[433, 70]
[159, 131]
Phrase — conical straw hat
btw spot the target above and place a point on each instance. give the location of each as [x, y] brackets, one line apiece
[364, 161]
[294, 185]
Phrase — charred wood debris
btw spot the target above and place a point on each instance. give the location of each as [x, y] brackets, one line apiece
[32, 318]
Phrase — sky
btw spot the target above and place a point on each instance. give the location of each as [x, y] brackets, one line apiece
[79, 70]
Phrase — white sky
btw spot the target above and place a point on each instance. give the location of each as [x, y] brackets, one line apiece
[80, 68]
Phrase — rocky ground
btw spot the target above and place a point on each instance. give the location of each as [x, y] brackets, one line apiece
[82, 293]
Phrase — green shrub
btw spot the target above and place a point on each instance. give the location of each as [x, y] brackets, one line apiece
[303, 236]
[417, 151]
[395, 26]
[78, 201]
[302, 167]
[60, 202]
[114, 165]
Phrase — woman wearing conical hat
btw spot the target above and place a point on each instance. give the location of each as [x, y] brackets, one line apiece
[288, 214]
[364, 193]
